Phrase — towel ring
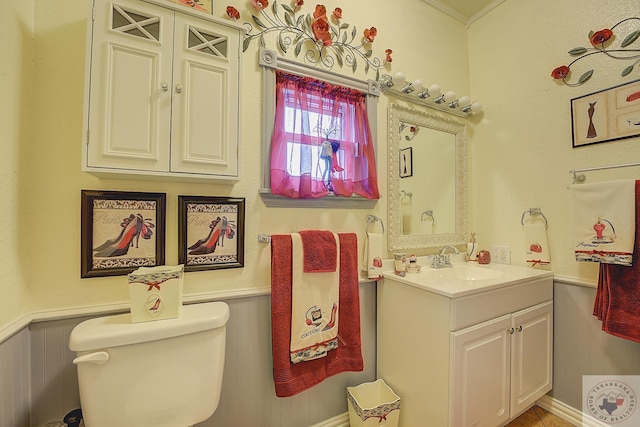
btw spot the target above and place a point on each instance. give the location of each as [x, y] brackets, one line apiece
[533, 212]
[370, 219]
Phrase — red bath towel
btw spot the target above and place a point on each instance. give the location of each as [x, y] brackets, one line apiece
[617, 302]
[290, 379]
[319, 251]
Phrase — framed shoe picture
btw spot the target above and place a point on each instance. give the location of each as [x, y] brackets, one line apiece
[211, 232]
[121, 231]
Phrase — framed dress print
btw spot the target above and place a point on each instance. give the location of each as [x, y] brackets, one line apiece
[608, 115]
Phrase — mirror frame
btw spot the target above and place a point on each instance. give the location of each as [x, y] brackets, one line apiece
[397, 115]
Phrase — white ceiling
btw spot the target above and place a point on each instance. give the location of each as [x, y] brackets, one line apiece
[465, 11]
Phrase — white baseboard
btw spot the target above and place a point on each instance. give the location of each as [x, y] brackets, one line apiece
[568, 413]
[560, 409]
[341, 420]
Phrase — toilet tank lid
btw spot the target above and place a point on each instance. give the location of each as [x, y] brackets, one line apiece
[115, 331]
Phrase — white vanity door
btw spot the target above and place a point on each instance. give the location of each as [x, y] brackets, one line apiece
[531, 355]
[481, 374]
[130, 96]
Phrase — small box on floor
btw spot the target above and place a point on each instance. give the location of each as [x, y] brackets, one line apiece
[373, 404]
[156, 292]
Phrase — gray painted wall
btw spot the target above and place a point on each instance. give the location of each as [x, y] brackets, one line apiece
[582, 348]
[38, 358]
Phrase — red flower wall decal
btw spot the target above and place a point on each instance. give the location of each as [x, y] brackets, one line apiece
[233, 13]
[601, 44]
[260, 4]
[370, 34]
[325, 44]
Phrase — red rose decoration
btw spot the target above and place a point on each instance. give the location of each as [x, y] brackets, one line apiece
[337, 13]
[377, 262]
[601, 36]
[320, 12]
[260, 4]
[320, 29]
[233, 13]
[560, 73]
[370, 34]
[299, 3]
[388, 52]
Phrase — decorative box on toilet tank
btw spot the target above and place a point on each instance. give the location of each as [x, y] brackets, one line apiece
[156, 292]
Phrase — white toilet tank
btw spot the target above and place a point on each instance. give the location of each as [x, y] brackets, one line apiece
[164, 373]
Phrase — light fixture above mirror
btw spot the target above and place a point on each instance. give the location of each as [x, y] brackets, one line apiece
[431, 96]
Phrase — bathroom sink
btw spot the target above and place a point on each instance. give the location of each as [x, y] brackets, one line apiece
[466, 278]
[459, 272]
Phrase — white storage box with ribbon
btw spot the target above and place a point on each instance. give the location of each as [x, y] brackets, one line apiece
[373, 404]
[156, 292]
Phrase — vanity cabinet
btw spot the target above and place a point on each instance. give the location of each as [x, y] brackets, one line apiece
[474, 360]
[162, 92]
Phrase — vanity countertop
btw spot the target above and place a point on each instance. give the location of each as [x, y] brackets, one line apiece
[468, 278]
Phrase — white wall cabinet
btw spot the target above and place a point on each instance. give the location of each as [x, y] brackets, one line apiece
[477, 360]
[162, 92]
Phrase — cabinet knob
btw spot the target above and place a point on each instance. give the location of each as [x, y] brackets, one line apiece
[164, 86]
[179, 89]
[511, 330]
[520, 328]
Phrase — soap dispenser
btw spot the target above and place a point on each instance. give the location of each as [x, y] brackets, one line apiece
[472, 248]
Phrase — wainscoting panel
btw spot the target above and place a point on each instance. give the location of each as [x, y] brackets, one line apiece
[582, 348]
[38, 380]
[54, 381]
[248, 397]
[14, 380]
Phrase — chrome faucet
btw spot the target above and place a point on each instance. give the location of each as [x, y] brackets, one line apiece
[443, 251]
[443, 260]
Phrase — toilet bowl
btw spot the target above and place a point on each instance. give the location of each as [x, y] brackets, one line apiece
[164, 373]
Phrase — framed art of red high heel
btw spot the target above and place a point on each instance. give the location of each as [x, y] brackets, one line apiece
[121, 231]
[211, 232]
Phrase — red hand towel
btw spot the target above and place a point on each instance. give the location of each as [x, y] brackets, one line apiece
[319, 251]
[617, 302]
[290, 379]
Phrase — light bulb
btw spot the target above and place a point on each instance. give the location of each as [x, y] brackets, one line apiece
[398, 78]
[449, 96]
[464, 101]
[417, 84]
[476, 106]
[434, 90]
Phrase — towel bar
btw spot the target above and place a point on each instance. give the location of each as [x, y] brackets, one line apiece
[579, 178]
[532, 212]
[370, 219]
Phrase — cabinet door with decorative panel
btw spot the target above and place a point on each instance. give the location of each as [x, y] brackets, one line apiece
[205, 98]
[130, 75]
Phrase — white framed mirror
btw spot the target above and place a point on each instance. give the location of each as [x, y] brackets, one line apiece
[427, 179]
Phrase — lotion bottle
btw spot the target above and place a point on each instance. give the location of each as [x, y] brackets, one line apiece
[472, 248]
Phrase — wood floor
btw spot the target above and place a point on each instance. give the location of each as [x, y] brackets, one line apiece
[538, 417]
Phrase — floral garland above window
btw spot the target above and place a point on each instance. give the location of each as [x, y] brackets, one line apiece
[326, 41]
[601, 42]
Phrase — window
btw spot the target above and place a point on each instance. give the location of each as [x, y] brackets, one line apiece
[318, 144]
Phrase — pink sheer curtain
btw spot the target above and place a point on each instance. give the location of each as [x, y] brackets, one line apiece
[321, 141]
